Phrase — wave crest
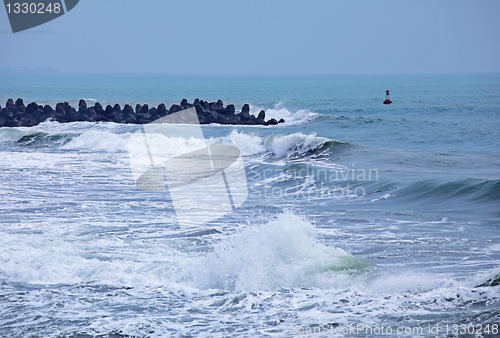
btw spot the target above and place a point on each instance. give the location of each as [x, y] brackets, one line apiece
[281, 145]
[280, 253]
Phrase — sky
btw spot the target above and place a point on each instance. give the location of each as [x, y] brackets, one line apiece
[262, 37]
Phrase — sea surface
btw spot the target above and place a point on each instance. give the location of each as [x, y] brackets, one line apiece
[362, 219]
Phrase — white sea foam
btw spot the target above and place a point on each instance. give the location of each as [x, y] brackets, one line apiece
[280, 145]
[99, 141]
[163, 146]
[248, 143]
[32, 259]
[280, 253]
[279, 112]
[277, 270]
[28, 161]
[42, 260]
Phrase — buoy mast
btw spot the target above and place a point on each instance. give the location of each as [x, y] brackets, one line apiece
[387, 97]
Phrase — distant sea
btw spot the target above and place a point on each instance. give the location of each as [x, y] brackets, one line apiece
[363, 219]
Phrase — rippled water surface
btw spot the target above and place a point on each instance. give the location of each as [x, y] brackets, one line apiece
[359, 214]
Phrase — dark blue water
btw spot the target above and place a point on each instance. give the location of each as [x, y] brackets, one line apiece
[358, 213]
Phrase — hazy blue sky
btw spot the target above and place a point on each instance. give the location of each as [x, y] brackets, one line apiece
[257, 36]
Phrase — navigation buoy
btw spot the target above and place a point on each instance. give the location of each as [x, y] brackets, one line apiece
[387, 97]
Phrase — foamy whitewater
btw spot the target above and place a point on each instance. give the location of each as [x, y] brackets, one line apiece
[362, 220]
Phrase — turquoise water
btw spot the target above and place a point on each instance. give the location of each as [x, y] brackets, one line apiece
[358, 212]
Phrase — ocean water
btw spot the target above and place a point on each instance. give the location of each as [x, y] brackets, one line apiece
[361, 217]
